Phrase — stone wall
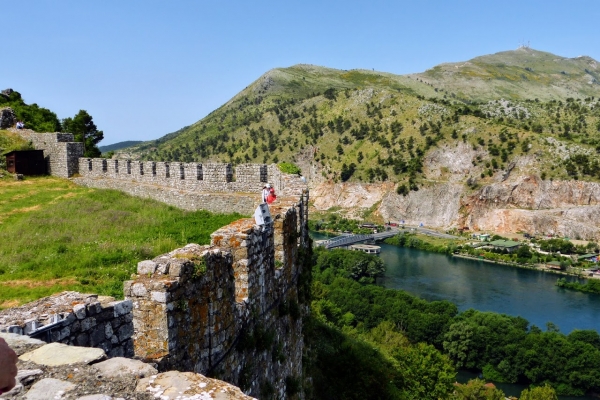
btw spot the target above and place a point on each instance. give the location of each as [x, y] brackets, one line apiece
[189, 186]
[60, 152]
[232, 309]
[242, 203]
[75, 319]
[208, 178]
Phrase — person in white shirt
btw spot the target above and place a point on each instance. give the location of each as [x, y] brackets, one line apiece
[265, 192]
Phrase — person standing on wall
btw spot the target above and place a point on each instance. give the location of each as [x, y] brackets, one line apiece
[265, 192]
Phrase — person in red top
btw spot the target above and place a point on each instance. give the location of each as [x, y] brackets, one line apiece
[271, 196]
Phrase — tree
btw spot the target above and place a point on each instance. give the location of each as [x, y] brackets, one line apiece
[477, 389]
[330, 94]
[545, 392]
[84, 130]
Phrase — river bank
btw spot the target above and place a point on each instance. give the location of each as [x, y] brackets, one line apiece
[539, 267]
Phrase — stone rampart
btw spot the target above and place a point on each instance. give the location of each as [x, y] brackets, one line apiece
[231, 309]
[189, 186]
[242, 203]
[208, 178]
[60, 152]
[75, 319]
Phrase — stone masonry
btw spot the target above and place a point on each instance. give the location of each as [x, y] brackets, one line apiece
[60, 151]
[189, 186]
[75, 319]
[231, 309]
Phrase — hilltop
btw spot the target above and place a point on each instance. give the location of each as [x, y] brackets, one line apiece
[524, 73]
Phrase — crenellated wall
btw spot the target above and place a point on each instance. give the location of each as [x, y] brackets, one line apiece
[232, 309]
[219, 178]
[190, 186]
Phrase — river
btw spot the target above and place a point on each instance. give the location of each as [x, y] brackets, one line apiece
[486, 286]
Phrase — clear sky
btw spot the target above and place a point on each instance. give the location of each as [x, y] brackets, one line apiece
[145, 68]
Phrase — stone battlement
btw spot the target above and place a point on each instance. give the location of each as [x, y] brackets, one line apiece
[215, 187]
[202, 308]
[214, 178]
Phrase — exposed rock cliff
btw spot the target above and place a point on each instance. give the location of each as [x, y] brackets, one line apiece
[516, 200]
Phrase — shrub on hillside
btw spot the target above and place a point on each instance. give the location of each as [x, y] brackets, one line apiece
[289, 168]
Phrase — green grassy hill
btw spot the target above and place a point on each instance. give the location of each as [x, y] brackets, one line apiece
[518, 74]
[60, 236]
[372, 126]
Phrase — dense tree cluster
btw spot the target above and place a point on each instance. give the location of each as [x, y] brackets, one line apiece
[505, 348]
[41, 119]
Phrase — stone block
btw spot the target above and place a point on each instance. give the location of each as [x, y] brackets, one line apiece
[127, 288]
[59, 335]
[15, 329]
[122, 307]
[125, 332]
[97, 335]
[161, 297]
[49, 388]
[88, 323]
[70, 318]
[163, 268]
[56, 354]
[94, 308]
[106, 315]
[117, 351]
[139, 290]
[108, 331]
[128, 348]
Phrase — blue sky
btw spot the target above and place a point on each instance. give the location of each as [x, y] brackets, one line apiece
[143, 69]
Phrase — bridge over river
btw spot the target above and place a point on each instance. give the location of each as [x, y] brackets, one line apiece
[350, 239]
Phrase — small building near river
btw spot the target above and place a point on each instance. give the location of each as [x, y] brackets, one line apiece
[507, 245]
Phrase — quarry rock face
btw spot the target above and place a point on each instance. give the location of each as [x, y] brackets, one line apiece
[528, 204]
[520, 204]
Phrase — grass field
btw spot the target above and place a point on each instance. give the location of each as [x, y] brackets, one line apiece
[59, 236]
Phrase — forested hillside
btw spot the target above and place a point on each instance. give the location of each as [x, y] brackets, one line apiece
[369, 126]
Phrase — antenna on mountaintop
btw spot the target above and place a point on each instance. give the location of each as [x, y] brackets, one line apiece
[523, 45]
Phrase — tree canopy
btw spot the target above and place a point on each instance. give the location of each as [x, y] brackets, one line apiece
[84, 130]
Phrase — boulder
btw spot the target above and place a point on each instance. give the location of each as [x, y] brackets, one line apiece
[7, 118]
[56, 354]
[185, 385]
[118, 366]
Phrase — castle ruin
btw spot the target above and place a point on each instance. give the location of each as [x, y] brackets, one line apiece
[231, 310]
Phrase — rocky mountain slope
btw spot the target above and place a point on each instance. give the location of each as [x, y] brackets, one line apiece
[423, 147]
